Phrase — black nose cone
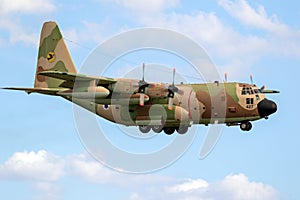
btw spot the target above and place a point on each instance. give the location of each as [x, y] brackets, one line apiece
[266, 107]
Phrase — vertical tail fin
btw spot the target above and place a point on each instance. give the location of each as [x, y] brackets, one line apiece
[53, 55]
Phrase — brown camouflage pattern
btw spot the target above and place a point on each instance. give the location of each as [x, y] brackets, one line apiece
[117, 99]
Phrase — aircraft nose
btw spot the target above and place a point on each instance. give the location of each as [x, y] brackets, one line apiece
[266, 107]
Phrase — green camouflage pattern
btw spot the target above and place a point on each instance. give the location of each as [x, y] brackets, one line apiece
[53, 55]
[117, 99]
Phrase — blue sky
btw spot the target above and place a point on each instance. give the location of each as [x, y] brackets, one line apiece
[41, 153]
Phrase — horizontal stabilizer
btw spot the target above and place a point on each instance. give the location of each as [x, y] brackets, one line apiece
[77, 77]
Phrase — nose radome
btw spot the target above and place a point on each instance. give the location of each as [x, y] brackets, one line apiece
[266, 107]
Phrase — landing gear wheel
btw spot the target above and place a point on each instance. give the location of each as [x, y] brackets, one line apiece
[182, 129]
[246, 126]
[157, 128]
[144, 129]
[169, 130]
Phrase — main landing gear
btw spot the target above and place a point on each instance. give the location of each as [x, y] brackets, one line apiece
[167, 130]
[144, 129]
[246, 126]
[157, 128]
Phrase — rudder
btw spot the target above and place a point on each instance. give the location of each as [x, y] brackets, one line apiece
[53, 55]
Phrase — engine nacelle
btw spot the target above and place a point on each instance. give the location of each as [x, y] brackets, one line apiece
[98, 92]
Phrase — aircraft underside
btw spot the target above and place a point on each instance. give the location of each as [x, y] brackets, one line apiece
[157, 122]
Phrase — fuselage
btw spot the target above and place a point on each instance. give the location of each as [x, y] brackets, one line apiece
[229, 103]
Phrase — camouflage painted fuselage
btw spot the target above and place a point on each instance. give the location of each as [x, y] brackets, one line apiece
[229, 103]
[121, 101]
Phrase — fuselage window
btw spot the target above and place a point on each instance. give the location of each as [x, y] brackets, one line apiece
[249, 102]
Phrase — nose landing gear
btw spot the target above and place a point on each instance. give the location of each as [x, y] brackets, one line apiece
[246, 126]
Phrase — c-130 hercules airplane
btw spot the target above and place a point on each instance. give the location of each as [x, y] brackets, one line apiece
[155, 106]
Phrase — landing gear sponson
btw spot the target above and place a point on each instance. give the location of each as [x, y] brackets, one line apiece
[245, 126]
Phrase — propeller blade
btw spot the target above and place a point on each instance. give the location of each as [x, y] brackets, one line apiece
[142, 99]
[263, 87]
[225, 77]
[174, 71]
[251, 79]
[170, 103]
[142, 83]
[172, 89]
[143, 78]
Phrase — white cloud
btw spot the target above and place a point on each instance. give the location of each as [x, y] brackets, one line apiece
[189, 185]
[17, 33]
[146, 6]
[135, 196]
[258, 18]
[221, 41]
[232, 187]
[208, 29]
[237, 51]
[280, 38]
[89, 170]
[238, 186]
[26, 6]
[204, 27]
[11, 21]
[44, 169]
[47, 191]
[90, 32]
[42, 165]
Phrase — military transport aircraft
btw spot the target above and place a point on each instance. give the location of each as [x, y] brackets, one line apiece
[156, 106]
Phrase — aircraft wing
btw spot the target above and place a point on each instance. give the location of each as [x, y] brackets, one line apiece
[77, 77]
[270, 91]
[50, 91]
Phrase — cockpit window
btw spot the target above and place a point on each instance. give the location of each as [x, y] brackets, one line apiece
[257, 91]
[247, 91]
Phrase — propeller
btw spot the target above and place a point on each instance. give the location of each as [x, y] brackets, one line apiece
[225, 77]
[142, 87]
[263, 88]
[172, 89]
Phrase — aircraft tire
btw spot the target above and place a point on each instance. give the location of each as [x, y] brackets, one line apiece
[169, 130]
[144, 129]
[246, 126]
[157, 128]
[182, 129]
